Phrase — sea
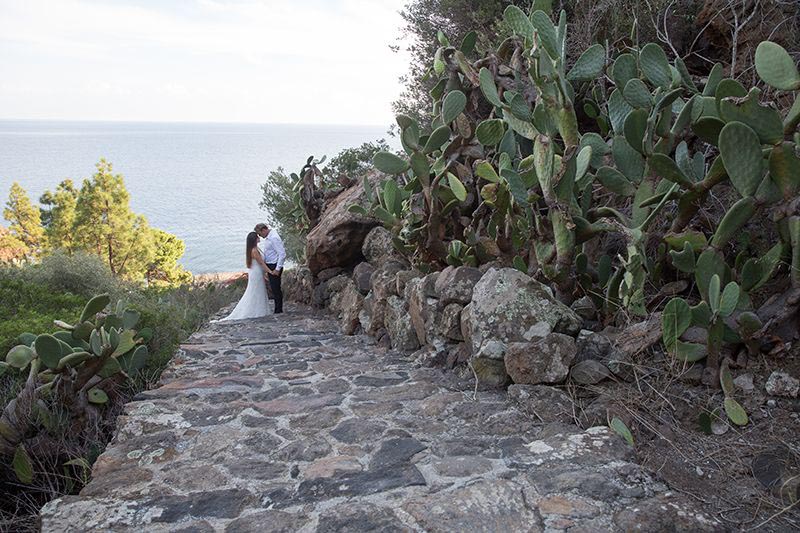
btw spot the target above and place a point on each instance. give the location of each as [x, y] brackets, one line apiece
[200, 181]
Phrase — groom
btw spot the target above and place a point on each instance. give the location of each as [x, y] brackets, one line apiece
[274, 256]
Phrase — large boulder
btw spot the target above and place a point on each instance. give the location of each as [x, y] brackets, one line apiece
[398, 325]
[336, 241]
[509, 306]
[546, 360]
[455, 284]
[346, 304]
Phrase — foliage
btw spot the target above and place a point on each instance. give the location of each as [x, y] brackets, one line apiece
[79, 273]
[58, 215]
[71, 374]
[12, 250]
[25, 221]
[424, 19]
[700, 31]
[106, 226]
[96, 219]
[29, 306]
[353, 162]
[590, 173]
[164, 268]
[280, 204]
[31, 298]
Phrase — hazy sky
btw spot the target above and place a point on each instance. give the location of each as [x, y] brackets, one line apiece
[200, 60]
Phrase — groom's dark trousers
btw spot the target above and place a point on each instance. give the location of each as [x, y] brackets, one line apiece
[275, 285]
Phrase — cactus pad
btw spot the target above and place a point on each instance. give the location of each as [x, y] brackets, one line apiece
[589, 65]
[490, 132]
[765, 121]
[655, 66]
[776, 67]
[452, 106]
[742, 157]
[637, 94]
[389, 163]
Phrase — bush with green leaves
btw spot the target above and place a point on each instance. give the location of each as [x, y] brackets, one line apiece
[597, 178]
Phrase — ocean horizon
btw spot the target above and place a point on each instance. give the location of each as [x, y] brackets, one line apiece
[198, 180]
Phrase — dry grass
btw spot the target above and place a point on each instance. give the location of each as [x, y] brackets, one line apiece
[661, 409]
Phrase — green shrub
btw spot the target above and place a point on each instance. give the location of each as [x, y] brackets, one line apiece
[79, 273]
[27, 306]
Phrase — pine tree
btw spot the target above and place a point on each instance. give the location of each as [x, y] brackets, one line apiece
[165, 268]
[12, 249]
[58, 215]
[106, 226]
[26, 223]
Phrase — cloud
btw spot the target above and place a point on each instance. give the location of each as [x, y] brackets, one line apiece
[248, 60]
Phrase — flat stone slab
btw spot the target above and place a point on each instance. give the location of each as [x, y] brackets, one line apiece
[283, 424]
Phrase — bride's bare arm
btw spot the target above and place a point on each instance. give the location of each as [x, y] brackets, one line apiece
[260, 260]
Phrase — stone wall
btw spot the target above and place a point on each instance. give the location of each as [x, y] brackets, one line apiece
[499, 322]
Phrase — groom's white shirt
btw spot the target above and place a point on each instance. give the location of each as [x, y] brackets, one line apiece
[273, 249]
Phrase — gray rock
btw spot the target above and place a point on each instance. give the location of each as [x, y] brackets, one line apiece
[398, 325]
[509, 306]
[378, 246]
[782, 384]
[450, 322]
[346, 304]
[546, 360]
[548, 404]
[584, 308]
[490, 372]
[744, 382]
[592, 345]
[361, 276]
[424, 308]
[486, 506]
[403, 277]
[355, 430]
[298, 284]
[382, 285]
[360, 518]
[323, 292]
[365, 314]
[328, 273]
[662, 513]
[267, 522]
[455, 284]
[589, 372]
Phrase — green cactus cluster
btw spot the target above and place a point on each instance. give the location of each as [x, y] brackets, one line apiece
[541, 160]
[76, 367]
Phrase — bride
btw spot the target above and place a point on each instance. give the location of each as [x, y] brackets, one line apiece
[254, 302]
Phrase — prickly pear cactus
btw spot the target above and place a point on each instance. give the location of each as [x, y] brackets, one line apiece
[81, 364]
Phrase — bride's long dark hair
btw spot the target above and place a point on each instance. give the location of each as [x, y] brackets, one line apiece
[252, 242]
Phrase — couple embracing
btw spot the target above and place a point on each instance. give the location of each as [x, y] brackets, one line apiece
[264, 265]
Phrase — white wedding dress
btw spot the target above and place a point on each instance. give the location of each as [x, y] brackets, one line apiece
[254, 302]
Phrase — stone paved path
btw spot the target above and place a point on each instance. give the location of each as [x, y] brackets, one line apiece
[286, 425]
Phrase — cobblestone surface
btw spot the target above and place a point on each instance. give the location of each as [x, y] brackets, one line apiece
[283, 424]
